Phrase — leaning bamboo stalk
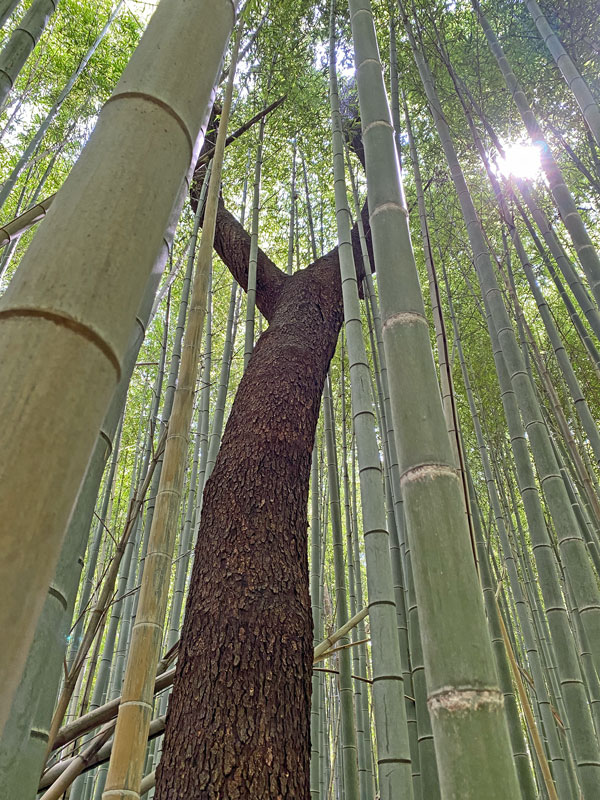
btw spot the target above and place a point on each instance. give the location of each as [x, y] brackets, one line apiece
[20, 45]
[58, 317]
[514, 376]
[573, 222]
[10, 232]
[77, 765]
[551, 329]
[164, 679]
[322, 649]
[157, 727]
[527, 627]
[520, 754]
[100, 608]
[573, 280]
[127, 760]
[539, 750]
[576, 83]
[6, 9]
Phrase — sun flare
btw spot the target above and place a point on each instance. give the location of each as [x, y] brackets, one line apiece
[520, 161]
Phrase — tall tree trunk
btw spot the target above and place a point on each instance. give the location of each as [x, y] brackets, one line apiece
[239, 715]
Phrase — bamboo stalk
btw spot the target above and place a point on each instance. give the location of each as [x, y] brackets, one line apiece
[127, 760]
[393, 749]
[21, 43]
[531, 726]
[58, 318]
[589, 259]
[574, 80]
[12, 230]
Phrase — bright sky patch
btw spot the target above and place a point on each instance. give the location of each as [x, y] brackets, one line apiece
[520, 161]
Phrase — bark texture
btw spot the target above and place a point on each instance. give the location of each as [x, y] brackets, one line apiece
[238, 724]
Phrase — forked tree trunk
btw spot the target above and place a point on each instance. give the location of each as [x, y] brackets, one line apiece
[239, 715]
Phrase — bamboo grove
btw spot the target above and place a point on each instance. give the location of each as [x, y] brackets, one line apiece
[300, 391]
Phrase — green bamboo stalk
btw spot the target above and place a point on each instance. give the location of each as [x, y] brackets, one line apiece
[224, 375]
[126, 765]
[292, 231]
[558, 254]
[533, 657]
[578, 324]
[388, 695]
[423, 764]
[353, 569]
[185, 541]
[348, 731]
[573, 280]
[393, 510]
[365, 756]
[564, 650]
[309, 215]
[52, 318]
[394, 88]
[585, 171]
[572, 546]
[575, 82]
[562, 357]
[315, 592]
[465, 702]
[21, 43]
[81, 640]
[7, 8]
[174, 364]
[520, 754]
[35, 698]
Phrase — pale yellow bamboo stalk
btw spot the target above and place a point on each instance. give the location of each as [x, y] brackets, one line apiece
[164, 679]
[77, 765]
[17, 226]
[328, 643]
[131, 734]
[535, 736]
[148, 782]
[68, 313]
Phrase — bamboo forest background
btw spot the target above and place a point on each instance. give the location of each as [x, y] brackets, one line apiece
[541, 597]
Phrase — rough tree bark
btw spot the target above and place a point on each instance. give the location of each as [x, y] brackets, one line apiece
[238, 724]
